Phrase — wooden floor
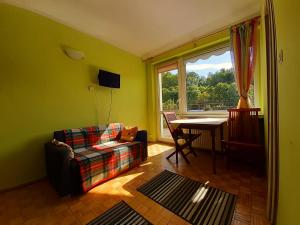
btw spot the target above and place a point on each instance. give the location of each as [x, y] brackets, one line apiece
[39, 204]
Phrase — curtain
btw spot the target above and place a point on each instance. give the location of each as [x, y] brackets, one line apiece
[244, 39]
[272, 75]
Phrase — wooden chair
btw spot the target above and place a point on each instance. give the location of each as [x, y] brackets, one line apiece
[182, 140]
[243, 133]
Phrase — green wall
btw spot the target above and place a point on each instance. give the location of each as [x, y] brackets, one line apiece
[288, 36]
[42, 90]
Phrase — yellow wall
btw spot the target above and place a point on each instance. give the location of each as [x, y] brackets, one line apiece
[288, 36]
[42, 90]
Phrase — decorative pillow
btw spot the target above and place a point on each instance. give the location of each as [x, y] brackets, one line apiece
[128, 134]
[62, 144]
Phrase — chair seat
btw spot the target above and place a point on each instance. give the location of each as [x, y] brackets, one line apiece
[182, 140]
[188, 136]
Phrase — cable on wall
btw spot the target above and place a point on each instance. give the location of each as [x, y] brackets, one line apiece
[108, 118]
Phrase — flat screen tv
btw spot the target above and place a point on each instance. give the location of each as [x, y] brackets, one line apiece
[108, 79]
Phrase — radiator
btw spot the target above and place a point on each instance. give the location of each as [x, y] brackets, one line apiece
[204, 141]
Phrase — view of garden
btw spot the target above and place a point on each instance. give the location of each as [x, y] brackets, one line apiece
[212, 91]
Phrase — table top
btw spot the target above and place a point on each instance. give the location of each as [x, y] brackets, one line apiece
[200, 121]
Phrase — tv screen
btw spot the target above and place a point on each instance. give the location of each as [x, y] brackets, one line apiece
[108, 79]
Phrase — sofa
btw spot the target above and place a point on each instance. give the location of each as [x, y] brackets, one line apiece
[97, 155]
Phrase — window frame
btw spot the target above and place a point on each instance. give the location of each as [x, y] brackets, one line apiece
[212, 113]
[182, 83]
[159, 110]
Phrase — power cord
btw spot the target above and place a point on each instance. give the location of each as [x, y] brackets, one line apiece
[108, 118]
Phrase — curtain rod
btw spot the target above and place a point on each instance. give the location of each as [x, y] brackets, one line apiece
[207, 35]
[245, 21]
[225, 28]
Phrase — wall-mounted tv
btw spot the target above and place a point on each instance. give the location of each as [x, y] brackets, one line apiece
[108, 79]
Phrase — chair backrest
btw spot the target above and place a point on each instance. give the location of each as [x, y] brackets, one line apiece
[170, 116]
[243, 125]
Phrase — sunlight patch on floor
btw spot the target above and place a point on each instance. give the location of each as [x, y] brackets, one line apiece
[199, 195]
[146, 164]
[113, 192]
[132, 176]
[114, 187]
[157, 149]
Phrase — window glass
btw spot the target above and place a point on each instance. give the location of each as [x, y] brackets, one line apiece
[210, 82]
[169, 90]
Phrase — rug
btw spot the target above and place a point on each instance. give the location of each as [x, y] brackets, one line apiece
[119, 214]
[193, 201]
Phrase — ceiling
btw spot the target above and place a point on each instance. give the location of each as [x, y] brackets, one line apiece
[142, 27]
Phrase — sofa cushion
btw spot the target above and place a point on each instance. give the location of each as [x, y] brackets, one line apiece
[89, 136]
[111, 133]
[75, 138]
[93, 134]
[104, 161]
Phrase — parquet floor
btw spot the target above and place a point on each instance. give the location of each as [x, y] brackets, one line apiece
[38, 203]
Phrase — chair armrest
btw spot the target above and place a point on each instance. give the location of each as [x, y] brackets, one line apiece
[58, 167]
[141, 136]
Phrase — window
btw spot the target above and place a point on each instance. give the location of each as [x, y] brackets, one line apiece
[202, 83]
[168, 95]
[210, 83]
[169, 90]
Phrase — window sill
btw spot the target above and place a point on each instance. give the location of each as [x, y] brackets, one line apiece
[213, 114]
[210, 114]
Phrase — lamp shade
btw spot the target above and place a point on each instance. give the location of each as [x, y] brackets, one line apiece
[74, 54]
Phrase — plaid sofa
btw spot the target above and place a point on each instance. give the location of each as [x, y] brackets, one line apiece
[99, 155]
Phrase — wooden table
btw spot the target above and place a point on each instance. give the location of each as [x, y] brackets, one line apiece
[210, 124]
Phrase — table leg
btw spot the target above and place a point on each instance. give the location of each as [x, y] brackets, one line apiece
[213, 149]
[176, 155]
[190, 145]
[222, 137]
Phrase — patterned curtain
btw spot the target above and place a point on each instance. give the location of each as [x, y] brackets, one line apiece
[243, 51]
[273, 151]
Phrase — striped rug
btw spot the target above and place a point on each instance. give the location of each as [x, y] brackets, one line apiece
[119, 214]
[195, 202]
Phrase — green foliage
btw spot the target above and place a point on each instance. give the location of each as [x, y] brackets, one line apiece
[169, 91]
[169, 80]
[192, 79]
[216, 92]
[222, 76]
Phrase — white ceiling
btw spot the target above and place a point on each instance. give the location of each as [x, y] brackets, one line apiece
[144, 27]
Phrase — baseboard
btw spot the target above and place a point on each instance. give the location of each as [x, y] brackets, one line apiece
[22, 185]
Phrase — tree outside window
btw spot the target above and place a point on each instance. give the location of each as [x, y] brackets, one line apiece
[210, 85]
